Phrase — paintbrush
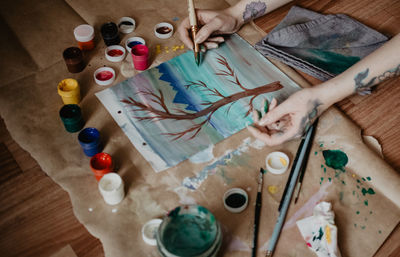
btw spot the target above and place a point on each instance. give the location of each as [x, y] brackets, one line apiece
[300, 156]
[291, 173]
[257, 212]
[304, 167]
[194, 28]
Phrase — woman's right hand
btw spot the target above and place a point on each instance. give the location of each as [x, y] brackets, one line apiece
[212, 24]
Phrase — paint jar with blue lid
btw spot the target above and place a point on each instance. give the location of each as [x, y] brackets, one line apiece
[71, 116]
[89, 139]
[109, 32]
[189, 231]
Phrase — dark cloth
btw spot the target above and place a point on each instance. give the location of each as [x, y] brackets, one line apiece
[322, 46]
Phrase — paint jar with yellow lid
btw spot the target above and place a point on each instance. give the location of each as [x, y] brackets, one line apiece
[69, 91]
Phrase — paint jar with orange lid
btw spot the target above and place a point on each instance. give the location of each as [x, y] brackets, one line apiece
[84, 35]
[69, 91]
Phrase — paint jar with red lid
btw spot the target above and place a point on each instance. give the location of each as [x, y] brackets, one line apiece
[84, 35]
[109, 32]
[73, 58]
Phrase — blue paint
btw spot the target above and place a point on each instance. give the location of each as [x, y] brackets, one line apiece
[89, 139]
[133, 43]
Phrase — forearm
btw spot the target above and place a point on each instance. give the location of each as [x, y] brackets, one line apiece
[247, 10]
[373, 69]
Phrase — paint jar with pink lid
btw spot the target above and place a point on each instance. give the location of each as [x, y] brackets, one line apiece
[84, 35]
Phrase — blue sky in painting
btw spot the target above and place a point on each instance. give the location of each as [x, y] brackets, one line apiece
[252, 69]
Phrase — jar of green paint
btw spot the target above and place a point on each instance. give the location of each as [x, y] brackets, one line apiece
[189, 231]
[71, 117]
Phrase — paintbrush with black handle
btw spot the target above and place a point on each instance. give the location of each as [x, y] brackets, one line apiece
[257, 212]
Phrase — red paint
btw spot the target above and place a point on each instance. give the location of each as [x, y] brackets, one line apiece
[104, 75]
[115, 52]
[101, 164]
[308, 244]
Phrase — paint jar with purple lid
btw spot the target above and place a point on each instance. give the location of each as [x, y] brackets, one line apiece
[71, 117]
[89, 139]
[109, 32]
[73, 58]
[189, 231]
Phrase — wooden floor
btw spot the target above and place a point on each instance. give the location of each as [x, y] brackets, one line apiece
[36, 217]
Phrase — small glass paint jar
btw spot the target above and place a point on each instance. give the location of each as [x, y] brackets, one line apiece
[73, 58]
[84, 35]
[189, 230]
[109, 32]
[69, 91]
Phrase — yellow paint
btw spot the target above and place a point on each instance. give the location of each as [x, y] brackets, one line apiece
[354, 175]
[272, 189]
[328, 234]
[182, 47]
[69, 91]
[283, 161]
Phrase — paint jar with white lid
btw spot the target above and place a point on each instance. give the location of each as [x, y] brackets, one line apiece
[84, 35]
[189, 231]
[111, 187]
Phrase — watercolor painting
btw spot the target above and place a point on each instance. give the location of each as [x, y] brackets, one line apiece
[176, 110]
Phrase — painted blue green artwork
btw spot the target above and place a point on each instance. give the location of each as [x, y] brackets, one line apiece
[175, 110]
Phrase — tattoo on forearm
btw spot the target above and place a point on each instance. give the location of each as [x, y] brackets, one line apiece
[360, 85]
[254, 10]
[309, 118]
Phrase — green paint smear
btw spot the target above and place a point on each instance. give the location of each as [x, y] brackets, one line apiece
[366, 202]
[316, 154]
[330, 61]
[188, 234]
[357, 212]
[322, 179]
[335, 159]
[369, 191]
[320, 234]
[344, 183]
[362, 227]
[380, 232]
[369, 178]
[363, 179]
[355, 225]
[329, 179]
[370, 212]
[321, 145]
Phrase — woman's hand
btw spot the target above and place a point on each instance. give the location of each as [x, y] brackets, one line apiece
[290, 119]
[212, 25]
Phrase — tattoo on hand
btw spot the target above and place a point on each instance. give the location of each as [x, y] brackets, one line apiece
[309, 118]
[254, 10]
[360, 85]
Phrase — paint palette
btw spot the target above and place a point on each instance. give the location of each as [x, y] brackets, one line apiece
[189, 230]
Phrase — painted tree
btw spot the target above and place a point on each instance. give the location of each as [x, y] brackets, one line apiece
[157, 109]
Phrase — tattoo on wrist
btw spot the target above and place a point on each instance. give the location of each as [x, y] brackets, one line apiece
[254, 10]
[360, 85]
[309, 118]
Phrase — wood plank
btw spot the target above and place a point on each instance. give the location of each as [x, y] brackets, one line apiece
[36, 217]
